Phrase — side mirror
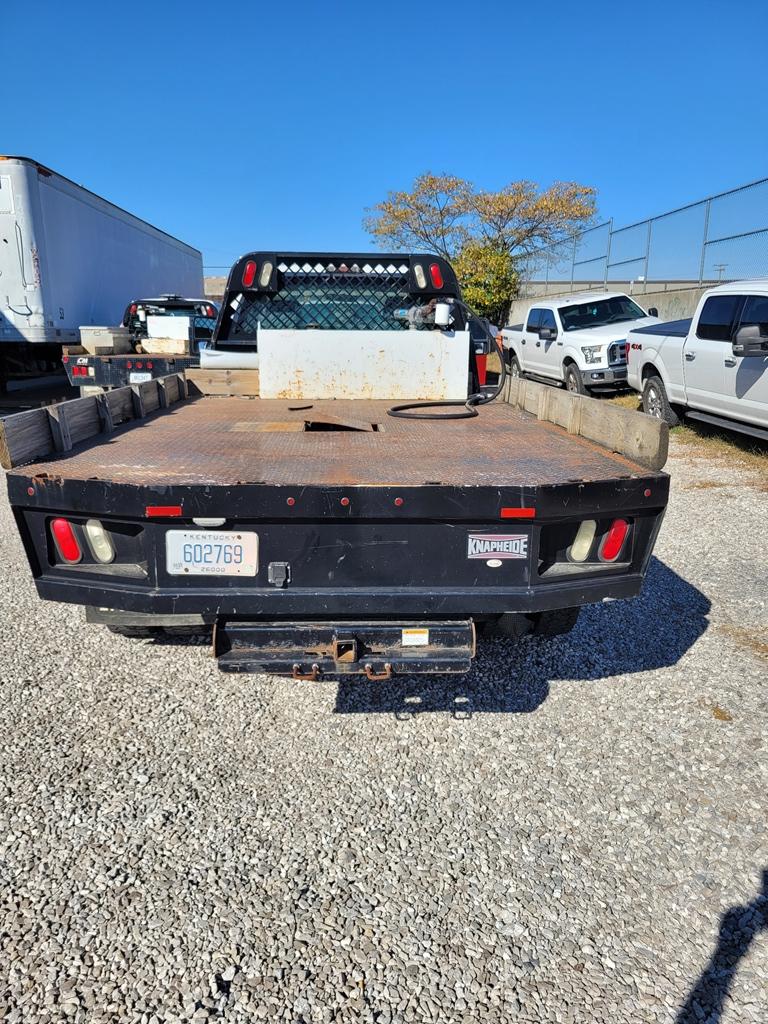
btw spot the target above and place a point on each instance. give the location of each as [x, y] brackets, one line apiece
[547, 334]
[653, 311]
[749, 342]
[442, 314]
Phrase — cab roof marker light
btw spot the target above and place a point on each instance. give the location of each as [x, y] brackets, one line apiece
[249, 274]
[265, 275]
[613, 542]
[582, 542]
[436, 274]
[65, 540]
[421, 277]
[99, 541]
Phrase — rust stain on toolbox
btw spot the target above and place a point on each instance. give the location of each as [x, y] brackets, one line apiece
[226, 441]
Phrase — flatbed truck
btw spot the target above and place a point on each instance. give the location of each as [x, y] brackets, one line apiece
[323, 536]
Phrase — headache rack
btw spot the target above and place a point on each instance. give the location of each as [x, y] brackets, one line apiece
[306, 291]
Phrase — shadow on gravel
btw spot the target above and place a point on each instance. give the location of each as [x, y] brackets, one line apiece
[512, 677]
[739, 927]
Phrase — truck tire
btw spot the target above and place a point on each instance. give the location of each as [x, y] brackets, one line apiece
[656, 402]
[514, 366]
[573, 381]
[555, 623]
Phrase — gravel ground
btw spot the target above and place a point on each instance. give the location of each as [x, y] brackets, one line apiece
[574, 832]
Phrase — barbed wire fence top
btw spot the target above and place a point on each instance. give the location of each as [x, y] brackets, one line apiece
[721, 238]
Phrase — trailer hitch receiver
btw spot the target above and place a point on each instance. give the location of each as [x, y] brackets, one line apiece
[376, 650]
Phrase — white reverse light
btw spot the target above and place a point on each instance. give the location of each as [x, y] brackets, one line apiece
[582, 542]
[99, 542]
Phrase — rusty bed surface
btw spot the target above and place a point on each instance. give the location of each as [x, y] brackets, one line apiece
[227, 441]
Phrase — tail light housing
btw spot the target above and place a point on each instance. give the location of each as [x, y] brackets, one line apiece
[613, 541]
[436, 274]
[65, 539]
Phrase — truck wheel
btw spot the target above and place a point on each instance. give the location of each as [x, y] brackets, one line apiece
[555, 623]
[573, 381]
[514, 366]
[656, 403]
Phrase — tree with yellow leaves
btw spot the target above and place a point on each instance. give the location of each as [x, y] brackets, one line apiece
[486, 234]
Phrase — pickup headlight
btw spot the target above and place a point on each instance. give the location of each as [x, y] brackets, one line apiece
[592, 353]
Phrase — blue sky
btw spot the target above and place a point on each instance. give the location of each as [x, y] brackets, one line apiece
[257, 125]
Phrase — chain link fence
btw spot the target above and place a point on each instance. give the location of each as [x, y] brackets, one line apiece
[721, 238]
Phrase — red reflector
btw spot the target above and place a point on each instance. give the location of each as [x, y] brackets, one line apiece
[134, 307]
[436, 274]
[66, 541]
[249, 274]
[65, 359]
[149, 364]
[518, 513]
[163, 510]
[613, 542]
[139, 364]
[128, 364]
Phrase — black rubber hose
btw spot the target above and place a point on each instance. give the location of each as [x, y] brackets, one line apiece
[468, 406]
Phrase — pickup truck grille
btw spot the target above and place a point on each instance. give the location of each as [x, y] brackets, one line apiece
[617, 353]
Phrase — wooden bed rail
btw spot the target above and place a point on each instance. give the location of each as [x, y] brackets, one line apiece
[28, 436]
[639, 437]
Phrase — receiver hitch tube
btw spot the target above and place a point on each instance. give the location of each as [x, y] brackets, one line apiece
[375, 650]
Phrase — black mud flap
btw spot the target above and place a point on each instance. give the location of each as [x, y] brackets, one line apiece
[376, 650]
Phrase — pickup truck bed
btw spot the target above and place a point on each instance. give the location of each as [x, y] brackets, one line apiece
[672, 329]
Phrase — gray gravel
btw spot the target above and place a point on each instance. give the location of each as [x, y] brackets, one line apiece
[574, 832]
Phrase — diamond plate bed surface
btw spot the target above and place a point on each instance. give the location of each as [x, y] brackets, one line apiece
[221, 441]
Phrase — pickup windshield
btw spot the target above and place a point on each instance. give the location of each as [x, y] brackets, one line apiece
[616, 310]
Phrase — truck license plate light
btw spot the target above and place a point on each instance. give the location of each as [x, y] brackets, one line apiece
[66, 541]
[613, 541]
[99, 541]
[582, 542]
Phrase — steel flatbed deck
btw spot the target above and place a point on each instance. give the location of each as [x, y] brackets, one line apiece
[227, 441]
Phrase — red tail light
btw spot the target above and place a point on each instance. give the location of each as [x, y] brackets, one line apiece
[613, 542]
[249, 274]
[133, 309]
[436, 274]
[65, 359]
[66, 542]
[139, 364]
[150, 364]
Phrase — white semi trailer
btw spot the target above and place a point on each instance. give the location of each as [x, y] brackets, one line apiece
[70, 258]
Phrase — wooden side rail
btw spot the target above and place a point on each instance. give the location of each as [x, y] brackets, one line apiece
[642, 438]
[28, 436]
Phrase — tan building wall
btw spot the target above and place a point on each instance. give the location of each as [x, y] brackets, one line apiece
[673, 299]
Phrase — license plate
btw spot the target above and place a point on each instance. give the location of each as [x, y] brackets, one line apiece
[138, 378]
[207, 553]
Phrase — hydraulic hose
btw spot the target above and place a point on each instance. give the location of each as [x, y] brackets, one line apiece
[468, 406]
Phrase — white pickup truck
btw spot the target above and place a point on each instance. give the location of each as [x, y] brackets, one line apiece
[713, 367]
[576, 340]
